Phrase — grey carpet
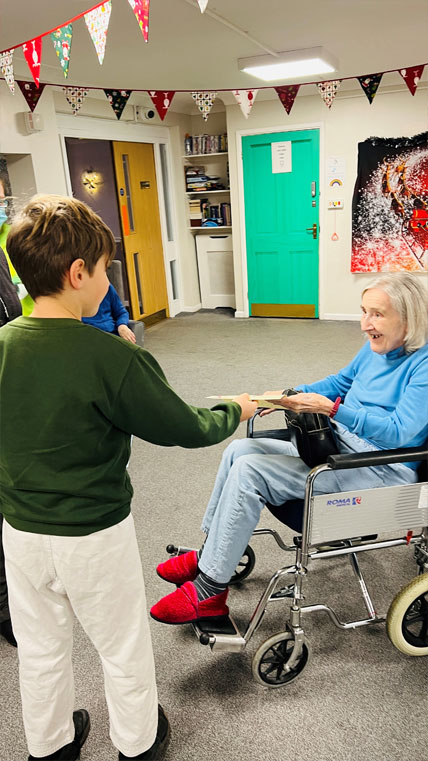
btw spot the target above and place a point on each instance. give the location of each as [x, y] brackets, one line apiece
[358, 698]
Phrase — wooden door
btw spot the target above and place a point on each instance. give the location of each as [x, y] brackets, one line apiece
[139, 212]
[281, 221]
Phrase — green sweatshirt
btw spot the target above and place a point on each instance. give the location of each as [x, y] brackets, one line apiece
[71, 396]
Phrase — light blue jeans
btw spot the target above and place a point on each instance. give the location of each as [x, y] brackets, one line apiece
[255, 471]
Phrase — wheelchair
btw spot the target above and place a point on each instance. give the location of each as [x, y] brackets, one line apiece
[328, 526]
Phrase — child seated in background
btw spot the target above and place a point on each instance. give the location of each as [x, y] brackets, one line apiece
[69, 538]
[112, 317]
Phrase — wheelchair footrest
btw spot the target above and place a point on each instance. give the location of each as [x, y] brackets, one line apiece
[220, 633]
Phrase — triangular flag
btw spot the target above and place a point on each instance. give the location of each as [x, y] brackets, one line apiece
[287, 95]
[204, 101]
[328, 91]
[61, 39]
[370, 85]
[118, 100]
[141, 9]
[412, 76]
[162, 100]
[97, 22]
[33, 56]
[245, 99]
[31, 93]
[6, 68]
[75, 97]
[203, 4]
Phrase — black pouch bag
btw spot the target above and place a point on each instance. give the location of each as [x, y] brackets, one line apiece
[314, 434]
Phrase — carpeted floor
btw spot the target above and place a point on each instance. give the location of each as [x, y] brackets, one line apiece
[358, 698]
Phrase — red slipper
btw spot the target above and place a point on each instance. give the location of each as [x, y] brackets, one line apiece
[179, 568]
[182, 606]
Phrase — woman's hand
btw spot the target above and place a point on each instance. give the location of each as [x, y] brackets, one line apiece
[126, 333]
[309, 402]
[274, 394]
[248, 407]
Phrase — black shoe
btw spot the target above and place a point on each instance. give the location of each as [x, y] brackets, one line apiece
[70, 752]
[6, 631]
[159, 745]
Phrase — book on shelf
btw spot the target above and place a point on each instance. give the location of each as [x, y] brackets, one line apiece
[205, 144]
[226, 214]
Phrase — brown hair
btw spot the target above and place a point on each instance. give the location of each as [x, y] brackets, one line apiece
[49, 234]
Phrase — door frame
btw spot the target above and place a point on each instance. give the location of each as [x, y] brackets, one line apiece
[92, 128]
[241, 201]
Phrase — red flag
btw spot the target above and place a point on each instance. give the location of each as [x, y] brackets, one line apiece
[31, 93]
[162, 100]
[412, 76]
[33, 56]
[287, 95]
[141, 9]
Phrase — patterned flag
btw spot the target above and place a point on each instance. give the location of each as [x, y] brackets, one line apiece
[31, 93]
[33, 56]
[370, 85]
[162, 100]
[245, 99]
[97, 22]
[287, 95]
[6, 68]
[204, 101]
[412, 77]
[75, 97]
[118, 100]
[61, 39]
[203, 4]
[328, 91]
[141, 9]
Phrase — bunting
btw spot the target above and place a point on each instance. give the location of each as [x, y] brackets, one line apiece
[370, 85]
[245, 99]
[412, 77]
[141, 10]
[162, 100]
[61, 39]
[328, 91]
[287, 95]
[204, 101]
[33, 55]
[97, 22]
[75, 97]
[203, 4]
[118, 100]
[6, 68]
[31, 93]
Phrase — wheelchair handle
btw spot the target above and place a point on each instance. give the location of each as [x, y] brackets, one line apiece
[382, 457]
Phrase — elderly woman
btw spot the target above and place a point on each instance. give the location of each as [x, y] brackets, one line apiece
[379, 401]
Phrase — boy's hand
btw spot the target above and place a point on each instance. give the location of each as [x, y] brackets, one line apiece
[248, 408]
[126, 333]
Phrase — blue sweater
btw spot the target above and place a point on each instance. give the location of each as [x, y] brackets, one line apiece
[385, 397]
[111, 313]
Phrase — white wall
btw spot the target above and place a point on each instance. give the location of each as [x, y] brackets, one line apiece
[350, 121]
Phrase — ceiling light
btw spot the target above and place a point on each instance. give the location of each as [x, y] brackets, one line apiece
[289, 65]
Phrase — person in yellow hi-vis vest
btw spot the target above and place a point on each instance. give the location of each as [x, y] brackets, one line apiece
[27, 302]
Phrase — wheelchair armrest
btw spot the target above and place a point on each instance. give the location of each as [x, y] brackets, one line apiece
[270, 434]
[379, 457]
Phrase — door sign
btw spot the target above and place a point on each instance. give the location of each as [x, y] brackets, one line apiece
[281, 157]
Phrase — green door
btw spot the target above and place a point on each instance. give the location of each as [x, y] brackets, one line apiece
[281, 219]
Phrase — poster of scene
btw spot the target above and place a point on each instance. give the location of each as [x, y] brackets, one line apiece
[390, 205]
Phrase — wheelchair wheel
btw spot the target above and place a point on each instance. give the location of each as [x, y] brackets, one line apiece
[244, 567]
[407, 618]
[273, 655]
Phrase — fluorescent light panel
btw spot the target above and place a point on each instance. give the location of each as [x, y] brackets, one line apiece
[289, 65]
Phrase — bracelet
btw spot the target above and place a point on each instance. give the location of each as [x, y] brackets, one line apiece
[335, 407]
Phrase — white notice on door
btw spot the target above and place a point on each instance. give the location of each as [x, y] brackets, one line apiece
[281, 157]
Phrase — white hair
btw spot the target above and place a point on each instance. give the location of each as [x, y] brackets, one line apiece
[409, 297]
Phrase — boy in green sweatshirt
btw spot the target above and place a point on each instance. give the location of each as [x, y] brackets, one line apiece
[65, 493]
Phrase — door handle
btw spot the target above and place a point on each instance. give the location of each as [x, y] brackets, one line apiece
[313, 230]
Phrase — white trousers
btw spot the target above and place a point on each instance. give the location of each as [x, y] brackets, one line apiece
[98, 578]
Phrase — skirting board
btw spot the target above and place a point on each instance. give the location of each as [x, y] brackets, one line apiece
[194, 308]
[355, 317]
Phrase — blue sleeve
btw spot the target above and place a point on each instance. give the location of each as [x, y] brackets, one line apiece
[334, 385]
[119, 313]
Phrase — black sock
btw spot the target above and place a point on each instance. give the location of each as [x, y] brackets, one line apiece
[207, 587]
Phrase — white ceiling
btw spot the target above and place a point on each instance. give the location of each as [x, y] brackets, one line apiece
[188, 50]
